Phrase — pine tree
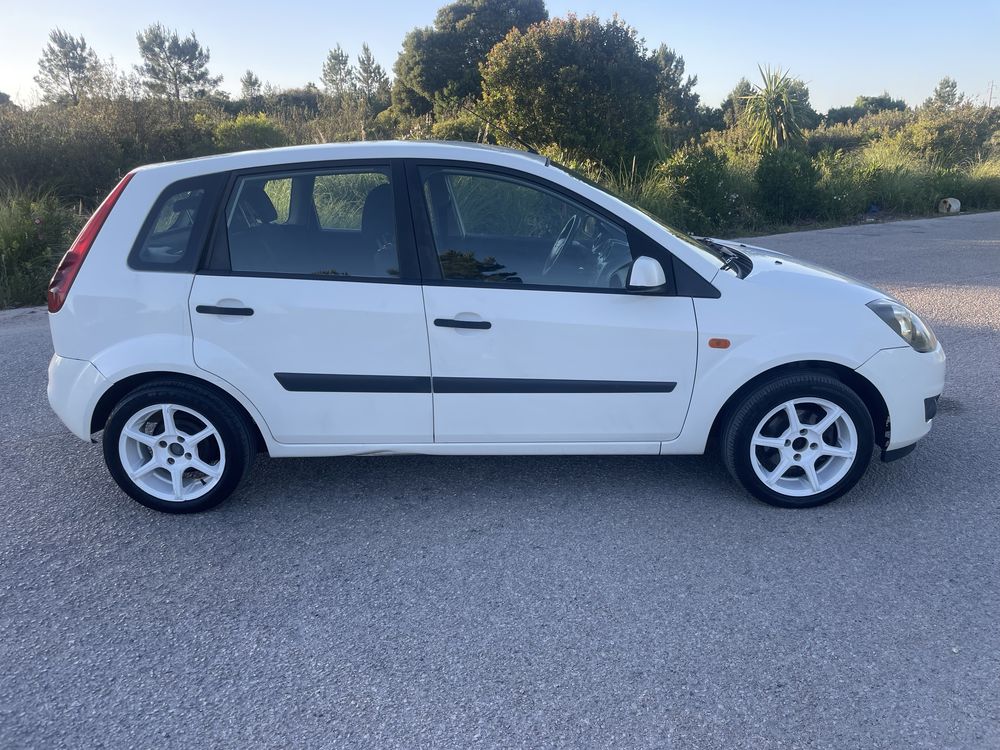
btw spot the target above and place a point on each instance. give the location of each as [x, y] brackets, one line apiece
[67, 68]
[173, 67]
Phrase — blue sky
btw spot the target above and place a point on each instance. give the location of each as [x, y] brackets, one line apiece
[840, 49]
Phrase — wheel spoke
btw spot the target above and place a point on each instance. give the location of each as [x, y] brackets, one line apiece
[835, 450]
[177, 480]
[193, 440]
[140, 437]
[769, 442]
[810, 469]
[832, 415]
[206, 469]
[793, 417]
[143, 470]
[169, 428]
[779, 471]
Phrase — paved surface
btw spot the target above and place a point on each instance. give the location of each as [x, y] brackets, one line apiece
[521, 602]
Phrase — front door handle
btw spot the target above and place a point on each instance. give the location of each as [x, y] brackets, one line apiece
[481, 325]
[217, 310]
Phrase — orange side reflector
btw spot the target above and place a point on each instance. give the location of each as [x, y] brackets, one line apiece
[718, 343]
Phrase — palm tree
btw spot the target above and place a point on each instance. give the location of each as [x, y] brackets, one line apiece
[769, 111]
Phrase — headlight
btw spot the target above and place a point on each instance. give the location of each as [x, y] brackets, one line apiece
[906, 323]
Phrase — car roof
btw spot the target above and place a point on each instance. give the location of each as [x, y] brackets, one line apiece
[459, 151]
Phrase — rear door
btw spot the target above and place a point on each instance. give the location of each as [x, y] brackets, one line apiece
[533, 336]
[311, 305]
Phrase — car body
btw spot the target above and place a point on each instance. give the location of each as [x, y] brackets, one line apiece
[436, 298]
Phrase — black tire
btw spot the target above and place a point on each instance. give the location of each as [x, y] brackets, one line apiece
[740, 427]
[230, 425]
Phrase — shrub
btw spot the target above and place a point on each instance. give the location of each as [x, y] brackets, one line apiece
[981, 188]
[462, 128]
[702, 182]
[786, 183]
[952, 134]
[896, 178]
[248, 132]
[843, 192]
[35, 230]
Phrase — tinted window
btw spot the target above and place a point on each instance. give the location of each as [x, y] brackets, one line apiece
[174, 232]
[340, 198]
[323, 223]
[493, 228]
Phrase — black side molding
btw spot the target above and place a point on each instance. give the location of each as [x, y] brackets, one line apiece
[481, 325]
[216, 310]
[541, 385]
[324, 383]
[320, 383]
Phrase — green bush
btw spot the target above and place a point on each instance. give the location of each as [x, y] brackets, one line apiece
[952, 135]
[843, 191]
[702, 180]
[462, 128]
[786, 185]
[981, 187]
[246, 132]
[35, 231]
[896, 178]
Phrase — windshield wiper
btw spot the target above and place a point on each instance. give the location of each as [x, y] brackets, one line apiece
[731, 259]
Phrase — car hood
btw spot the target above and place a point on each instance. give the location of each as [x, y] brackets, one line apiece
[773, 266]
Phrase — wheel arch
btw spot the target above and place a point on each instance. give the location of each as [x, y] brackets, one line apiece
[866, 390]
[114, 394]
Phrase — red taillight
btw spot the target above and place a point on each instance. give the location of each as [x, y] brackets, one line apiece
[70, 264]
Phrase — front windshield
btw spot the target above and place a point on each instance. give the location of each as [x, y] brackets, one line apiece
[708, 249]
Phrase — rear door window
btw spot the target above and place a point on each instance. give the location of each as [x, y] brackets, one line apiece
[337, 223]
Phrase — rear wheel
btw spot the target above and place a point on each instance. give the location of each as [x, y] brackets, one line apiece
[799, 441]
[176, 447]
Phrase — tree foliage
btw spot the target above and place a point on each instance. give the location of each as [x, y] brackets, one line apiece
[338, 75]
[586, 86]
[440, 64]
[371, 81]
[865, 105]
[67, 68]
[678, 115]
[250, 86]
[771, 112]
[173, 67]
[946, 95]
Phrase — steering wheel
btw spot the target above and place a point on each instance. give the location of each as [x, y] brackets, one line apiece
[565, 234]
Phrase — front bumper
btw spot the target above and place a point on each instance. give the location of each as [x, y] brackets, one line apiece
[907, 380]
[74, 388]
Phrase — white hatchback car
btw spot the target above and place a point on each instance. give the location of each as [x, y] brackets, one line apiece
[378, 298]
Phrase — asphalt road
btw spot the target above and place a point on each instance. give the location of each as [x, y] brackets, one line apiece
[521, 602]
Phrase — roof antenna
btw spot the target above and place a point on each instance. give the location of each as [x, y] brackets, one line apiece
[482, 118]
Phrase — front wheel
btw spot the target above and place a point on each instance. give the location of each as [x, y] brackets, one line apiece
[176, 447]
[799, 441]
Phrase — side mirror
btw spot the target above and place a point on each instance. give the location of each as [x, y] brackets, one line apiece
[645, 274]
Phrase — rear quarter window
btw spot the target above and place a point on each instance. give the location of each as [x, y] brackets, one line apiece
[174, 232]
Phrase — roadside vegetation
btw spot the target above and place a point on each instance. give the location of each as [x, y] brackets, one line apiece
[587, 92]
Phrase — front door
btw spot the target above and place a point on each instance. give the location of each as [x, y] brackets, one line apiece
[533, 336]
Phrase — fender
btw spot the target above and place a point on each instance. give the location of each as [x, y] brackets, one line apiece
[168, 354]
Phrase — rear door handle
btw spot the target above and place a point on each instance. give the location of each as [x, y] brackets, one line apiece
[216, 310]
[481, 325]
